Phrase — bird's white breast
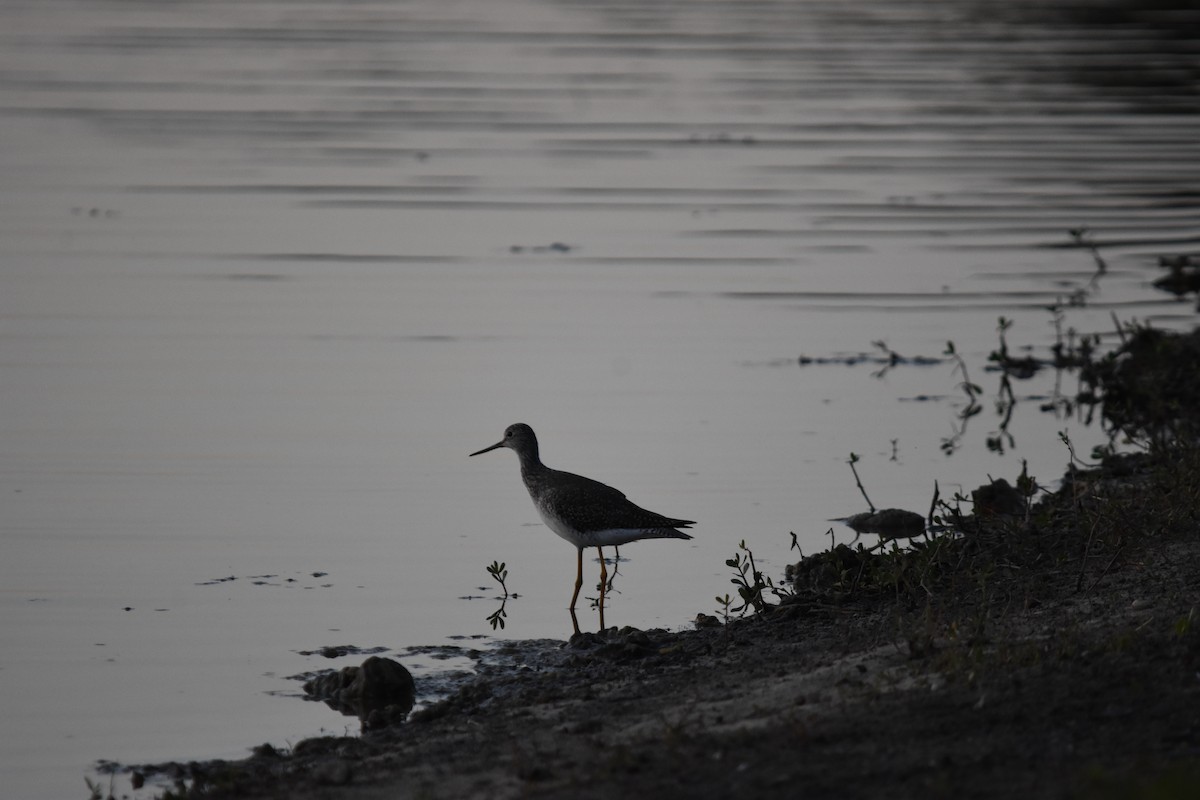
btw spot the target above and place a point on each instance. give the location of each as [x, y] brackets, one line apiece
[558, 526]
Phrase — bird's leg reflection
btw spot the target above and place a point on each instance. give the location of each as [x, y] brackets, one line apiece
[616, 568]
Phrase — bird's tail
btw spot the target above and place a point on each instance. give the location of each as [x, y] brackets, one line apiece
[665, 533]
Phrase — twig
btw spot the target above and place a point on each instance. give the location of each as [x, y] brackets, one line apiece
[929, 566]
[1087, 547]
[1107, 567]
[858, 575]
[1117, 325]
[853, 460]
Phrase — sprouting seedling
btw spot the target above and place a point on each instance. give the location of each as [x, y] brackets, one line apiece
[893, 358]
[1002, 328]
[1027, 485]
[499, 573]
[971, 389]
[1083, 237]
[724, 603]
[1075, 459]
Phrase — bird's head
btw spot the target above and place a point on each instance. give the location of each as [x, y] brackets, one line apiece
[517, 437]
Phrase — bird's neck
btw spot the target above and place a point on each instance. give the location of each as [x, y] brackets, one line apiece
[530, 463]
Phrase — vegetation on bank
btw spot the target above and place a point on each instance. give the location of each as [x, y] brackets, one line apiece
[1010, 548]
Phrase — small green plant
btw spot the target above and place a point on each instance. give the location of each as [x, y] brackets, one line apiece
[747, 579]
[751, 584]
[499, 573]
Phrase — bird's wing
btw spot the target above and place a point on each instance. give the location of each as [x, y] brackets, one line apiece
[576, 490]
[598, 506]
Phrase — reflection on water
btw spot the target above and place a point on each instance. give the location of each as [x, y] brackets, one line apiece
[269, 269]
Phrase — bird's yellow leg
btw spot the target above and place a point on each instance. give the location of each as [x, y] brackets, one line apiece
[578, 585]
[603, 585]
[578, 579]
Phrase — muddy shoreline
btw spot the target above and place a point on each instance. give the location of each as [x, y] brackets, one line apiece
[1047, 649]
[1060, 693]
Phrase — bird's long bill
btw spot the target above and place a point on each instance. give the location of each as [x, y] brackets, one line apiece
[493, 447]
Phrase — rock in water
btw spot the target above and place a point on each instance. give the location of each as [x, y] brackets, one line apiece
[379, 692]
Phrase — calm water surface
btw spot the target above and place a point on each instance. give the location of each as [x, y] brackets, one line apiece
[269, 271]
